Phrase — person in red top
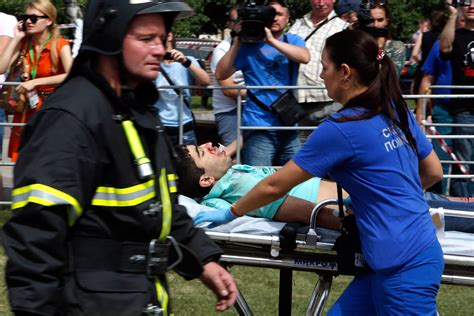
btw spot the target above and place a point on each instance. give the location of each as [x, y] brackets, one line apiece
[48, 59]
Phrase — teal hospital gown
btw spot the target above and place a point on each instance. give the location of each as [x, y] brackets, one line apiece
[240, 179]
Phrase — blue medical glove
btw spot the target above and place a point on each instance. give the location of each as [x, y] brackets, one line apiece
[217, 217]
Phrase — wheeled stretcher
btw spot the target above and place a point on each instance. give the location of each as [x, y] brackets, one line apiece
[262, 243]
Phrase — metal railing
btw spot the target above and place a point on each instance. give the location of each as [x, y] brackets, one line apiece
[241, 128]
[428, 126]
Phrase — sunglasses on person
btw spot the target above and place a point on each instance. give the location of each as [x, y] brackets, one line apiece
[32, 17]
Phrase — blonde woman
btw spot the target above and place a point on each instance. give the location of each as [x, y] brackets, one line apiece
[48, 60]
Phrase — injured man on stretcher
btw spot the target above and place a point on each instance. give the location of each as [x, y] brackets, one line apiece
[208, 174]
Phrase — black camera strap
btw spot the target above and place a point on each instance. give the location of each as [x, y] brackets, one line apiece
[254, 98]
[167, 77]
[290, 62]
[318, 27]
[259, 103]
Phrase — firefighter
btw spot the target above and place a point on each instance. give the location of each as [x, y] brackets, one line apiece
[96, 223]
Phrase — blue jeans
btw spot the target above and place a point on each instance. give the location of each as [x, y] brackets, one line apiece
[441, 115]
[463, 148]
[409, 290]
[269, 148]
[227, 126]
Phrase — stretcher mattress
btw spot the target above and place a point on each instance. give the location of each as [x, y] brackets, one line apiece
[452, 242]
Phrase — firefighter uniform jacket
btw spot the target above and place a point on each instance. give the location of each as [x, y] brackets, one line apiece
[83, 219]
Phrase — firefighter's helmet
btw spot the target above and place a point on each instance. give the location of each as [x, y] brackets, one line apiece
[106, 21]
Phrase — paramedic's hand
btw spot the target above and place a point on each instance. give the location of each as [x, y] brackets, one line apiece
[348, 205]
[217, 217]
[347, 202]
[221, 283]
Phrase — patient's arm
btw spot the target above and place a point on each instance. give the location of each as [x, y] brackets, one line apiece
[328, 190]
[298, 210]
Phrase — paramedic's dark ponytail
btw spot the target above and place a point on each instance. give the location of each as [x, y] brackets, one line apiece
[375, 69]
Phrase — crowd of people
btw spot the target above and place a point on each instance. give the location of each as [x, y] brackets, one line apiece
[95, 172]
[324, 19]
[327, 18]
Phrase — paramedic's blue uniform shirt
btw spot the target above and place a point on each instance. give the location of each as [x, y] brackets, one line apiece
[380, 172]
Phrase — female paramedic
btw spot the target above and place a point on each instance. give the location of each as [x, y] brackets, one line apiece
[375, 150]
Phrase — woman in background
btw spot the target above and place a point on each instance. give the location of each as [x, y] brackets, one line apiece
[178, 70]
[396, 50]
[48, 59]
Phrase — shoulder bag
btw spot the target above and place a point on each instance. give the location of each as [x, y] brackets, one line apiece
[286, 106]
[10, 99]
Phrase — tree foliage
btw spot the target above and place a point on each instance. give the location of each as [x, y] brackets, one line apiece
[211, 14]
[17, 7]
[406, 14]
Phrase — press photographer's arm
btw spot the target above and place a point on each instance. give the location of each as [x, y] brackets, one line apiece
[446, 38]
[225, 67]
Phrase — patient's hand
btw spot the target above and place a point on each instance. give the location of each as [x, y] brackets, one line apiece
[217, 217]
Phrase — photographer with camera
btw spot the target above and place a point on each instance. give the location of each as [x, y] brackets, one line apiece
[178, 70]
[274, 61]
[457, 47]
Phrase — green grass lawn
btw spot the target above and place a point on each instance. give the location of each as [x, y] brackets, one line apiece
[260, 289]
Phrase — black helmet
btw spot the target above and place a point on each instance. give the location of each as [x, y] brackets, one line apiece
[106, 21]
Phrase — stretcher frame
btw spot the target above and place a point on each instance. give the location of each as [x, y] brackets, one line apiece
[312, 255]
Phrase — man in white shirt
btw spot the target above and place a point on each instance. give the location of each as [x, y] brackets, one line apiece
[326, 22]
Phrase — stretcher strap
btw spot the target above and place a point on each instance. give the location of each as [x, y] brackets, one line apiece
[340, 202]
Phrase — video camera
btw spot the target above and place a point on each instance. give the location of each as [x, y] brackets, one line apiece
[461, 3]
[255, 17]
[365, 19]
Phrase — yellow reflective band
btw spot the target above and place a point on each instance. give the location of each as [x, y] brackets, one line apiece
[172, 183]
[123, 197]
[173, 189]
[143, 160]
[162, 296]
[47, 196]
[134, 142]
[166, 203]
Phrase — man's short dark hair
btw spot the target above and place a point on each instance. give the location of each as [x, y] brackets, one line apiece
[283, 3]
[189, 174]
